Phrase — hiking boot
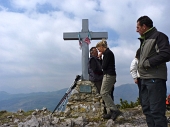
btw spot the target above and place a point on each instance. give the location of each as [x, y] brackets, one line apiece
[106, 116]
[115, 114]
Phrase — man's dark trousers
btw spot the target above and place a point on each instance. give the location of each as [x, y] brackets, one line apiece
[153, 92]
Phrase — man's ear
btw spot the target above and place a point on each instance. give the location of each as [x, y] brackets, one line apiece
[144, 27]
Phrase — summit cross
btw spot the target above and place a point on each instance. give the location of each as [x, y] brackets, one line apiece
[81, 36]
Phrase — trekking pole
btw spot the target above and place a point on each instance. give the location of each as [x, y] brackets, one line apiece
[67, 92]
[60, 108]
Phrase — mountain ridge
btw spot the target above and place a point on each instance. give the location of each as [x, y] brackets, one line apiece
[38, 100]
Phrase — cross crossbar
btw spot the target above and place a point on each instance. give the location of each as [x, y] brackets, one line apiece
[93, 35]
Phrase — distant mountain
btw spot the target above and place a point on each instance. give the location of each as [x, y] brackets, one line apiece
[31, 101]
[127, 92]
[168, 89]
[4, 95]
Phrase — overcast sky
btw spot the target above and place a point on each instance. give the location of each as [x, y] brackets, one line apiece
[33, 55]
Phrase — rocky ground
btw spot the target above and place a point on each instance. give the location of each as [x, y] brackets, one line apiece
[43, 118]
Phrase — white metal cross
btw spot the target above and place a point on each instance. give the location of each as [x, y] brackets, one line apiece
[85, 47]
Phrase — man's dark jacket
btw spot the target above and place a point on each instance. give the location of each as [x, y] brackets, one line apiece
[95, 69]
[155, 52]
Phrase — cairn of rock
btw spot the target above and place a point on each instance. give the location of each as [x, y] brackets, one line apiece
[84, 101]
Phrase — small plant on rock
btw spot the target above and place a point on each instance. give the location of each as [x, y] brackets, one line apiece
[124, 104]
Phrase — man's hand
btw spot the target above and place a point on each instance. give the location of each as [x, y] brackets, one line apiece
[146, 64]
[136, 81]
[100, 55]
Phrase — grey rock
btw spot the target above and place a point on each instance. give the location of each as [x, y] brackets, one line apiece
[110, 123]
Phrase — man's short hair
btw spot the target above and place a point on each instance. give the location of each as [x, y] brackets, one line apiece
[145, 20]
[91, 49]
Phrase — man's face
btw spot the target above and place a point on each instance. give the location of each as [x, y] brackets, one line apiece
[94, 52]
[141, 29]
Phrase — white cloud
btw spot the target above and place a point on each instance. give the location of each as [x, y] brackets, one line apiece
[34, 56]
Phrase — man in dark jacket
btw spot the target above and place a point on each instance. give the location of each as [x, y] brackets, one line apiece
[95, 69]
[154, 53]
